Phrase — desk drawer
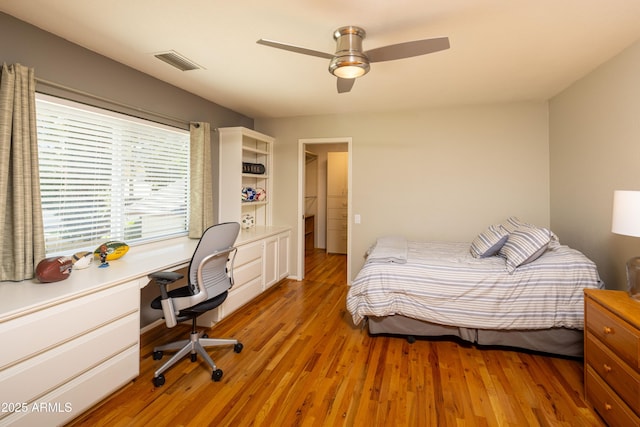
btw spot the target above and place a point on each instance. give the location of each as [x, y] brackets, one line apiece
[81, 393]
[620, 377]
[246, 273]
[247, 253]
[66, 321]
[52, 369]
[617, 334]
[239, 297]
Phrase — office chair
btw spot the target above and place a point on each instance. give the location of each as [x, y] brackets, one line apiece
[210, 278]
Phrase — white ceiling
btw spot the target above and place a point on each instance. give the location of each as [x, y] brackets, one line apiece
[501, 50]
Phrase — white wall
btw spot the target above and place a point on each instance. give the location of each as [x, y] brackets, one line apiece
[595, 149]
[436, 174]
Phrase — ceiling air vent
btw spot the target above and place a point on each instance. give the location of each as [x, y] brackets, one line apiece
[175, 59]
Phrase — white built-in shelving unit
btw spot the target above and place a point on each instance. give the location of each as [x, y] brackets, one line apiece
[240, 145]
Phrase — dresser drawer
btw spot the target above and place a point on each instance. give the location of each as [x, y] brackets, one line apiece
[614, 411]
[337, 202]
[337, 224]
[617, 334]
[620, 377]
[337, 214]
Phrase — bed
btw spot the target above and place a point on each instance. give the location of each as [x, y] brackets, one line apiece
[515, 285]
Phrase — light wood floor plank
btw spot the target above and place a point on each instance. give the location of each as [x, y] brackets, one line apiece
[305, 364]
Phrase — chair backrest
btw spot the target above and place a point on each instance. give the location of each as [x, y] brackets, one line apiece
[208, 274]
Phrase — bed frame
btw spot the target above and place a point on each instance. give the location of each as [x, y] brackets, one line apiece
[558, 341]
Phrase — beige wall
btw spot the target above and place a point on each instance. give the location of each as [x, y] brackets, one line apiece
[595, 149]
[438, 174]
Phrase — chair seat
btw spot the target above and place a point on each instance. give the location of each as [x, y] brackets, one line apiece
[197, 309]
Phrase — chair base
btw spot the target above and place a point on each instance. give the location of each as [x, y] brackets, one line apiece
[194, 345]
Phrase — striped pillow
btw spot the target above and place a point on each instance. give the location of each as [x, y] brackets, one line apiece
[489, 242]
[524, 245]
[512, 223]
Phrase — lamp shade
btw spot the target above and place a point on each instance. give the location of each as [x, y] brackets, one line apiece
[626, 213]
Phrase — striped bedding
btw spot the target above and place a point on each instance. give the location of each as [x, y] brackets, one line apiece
[442, 283]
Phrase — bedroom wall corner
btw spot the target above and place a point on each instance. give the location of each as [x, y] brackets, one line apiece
[595, 149]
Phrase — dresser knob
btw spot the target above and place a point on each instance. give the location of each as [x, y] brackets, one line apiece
[607, 407]
[607, 368]
[608, 330]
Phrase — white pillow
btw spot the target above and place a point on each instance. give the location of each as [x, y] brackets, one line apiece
[489, 242]
[524, 245]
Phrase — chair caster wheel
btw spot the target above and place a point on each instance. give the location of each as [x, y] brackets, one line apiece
[217, 375]
[158, 381]
[238, 347]
[157, 355]
[194, 357]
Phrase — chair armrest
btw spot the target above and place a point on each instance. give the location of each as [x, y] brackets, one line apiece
[162, 279]
[232, 260]
[165, 276]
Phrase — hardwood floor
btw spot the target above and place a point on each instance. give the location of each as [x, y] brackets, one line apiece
[304, 363]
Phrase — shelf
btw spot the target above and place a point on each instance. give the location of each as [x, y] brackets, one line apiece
[254, 150]
[255, 176]
[237, 146]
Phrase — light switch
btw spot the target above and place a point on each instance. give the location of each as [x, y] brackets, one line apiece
[356, 218]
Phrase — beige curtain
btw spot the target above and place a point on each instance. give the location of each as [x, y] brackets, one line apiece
[21, 224]
[201, 212]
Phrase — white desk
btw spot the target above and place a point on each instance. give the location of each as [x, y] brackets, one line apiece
[20, 298]
[67, 345]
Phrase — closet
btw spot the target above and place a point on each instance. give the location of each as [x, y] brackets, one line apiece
[337, 202]
[310, 201]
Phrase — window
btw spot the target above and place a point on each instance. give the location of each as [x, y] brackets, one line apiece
[107, 176]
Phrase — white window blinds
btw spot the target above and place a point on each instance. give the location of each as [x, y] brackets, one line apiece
[107, 176]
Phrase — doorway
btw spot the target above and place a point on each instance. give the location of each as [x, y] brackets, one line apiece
[312, 196]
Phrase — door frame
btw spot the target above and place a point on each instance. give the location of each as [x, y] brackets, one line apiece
[302, 143]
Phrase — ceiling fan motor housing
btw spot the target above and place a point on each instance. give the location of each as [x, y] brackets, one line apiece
[349, 60]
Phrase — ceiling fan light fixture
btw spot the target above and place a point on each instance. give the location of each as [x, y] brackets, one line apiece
[350, 62]
[349, 67]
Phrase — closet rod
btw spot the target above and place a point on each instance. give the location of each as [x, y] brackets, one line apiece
[110, 101]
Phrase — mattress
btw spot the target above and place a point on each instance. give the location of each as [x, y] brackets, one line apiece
[442, 283]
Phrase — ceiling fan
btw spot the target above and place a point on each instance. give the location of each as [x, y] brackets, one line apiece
[350, 62]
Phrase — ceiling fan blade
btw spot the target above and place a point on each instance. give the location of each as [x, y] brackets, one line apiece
[345, 85]
[407, 49]
[296, 49]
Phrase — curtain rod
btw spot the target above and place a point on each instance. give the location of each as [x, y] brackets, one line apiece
[110, 101]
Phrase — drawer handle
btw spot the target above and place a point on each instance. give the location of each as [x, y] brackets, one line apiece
[608, 406]
[607, 368]
[607, 330]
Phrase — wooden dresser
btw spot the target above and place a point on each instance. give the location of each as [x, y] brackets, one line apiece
[612, 356]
